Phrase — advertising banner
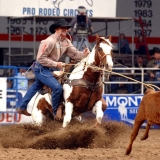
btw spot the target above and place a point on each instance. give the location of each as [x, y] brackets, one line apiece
[3, 93]
[19, 8]
[10, 116]
[123, 108]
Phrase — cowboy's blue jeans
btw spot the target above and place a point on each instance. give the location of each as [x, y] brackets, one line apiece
[43, 75]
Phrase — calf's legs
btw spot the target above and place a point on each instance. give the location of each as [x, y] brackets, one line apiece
[139, 120]
[133, 135]
[145, 136]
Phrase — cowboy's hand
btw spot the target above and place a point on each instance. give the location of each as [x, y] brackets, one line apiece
[86, 52]
[60, 65]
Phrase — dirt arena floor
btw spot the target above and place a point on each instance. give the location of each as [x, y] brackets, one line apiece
[77, 142]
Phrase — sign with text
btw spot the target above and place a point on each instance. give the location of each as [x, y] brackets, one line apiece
[123, 108]
[101, 8]
[10, 116]
[3, 88]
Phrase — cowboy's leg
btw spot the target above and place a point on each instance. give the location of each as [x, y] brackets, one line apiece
[47, 78]
[36, 86]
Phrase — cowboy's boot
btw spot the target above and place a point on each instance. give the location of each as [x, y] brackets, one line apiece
[60, 112]
[20, 111]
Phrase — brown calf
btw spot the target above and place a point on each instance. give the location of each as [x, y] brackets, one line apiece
[149, 110]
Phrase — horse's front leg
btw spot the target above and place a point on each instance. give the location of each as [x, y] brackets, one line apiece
[68, 114]
[97, 109]
[36, 111]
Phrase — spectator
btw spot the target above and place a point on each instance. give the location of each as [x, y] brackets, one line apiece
[116, 87]
[141, 45]
[154, 75]
[81, 26]
[123, 44]
[21, 82]
[139, 64]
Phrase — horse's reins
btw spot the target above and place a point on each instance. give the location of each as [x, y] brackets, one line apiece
[105, 70]
[146, 85]
[101, 60]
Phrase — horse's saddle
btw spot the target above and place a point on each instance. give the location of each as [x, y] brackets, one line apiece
[83, 83]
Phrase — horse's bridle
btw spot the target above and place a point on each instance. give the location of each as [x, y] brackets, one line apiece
[101, 57]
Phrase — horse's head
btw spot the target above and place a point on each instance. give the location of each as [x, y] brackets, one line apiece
[103, 52]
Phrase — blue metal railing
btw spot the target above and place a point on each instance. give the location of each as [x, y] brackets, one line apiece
[10, 72]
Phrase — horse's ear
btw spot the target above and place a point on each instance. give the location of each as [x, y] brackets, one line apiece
[97, 37]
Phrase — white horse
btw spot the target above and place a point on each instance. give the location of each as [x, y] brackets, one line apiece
[83, 92]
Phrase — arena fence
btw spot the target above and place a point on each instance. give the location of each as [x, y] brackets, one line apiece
[120, 106]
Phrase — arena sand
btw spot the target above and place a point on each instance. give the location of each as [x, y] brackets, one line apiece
[80, 141]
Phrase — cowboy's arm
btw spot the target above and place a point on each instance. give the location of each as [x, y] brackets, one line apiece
[73, 53]
[44, 51]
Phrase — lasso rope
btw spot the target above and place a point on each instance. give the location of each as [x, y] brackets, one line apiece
[106, 70]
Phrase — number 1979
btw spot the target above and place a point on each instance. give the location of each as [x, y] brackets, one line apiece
[143, 3]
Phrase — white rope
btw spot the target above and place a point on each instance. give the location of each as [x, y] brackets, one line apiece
[106, 70]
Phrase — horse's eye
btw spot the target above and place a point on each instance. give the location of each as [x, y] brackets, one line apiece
[99, 48]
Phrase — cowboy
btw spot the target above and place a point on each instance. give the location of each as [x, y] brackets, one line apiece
[50, 51]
